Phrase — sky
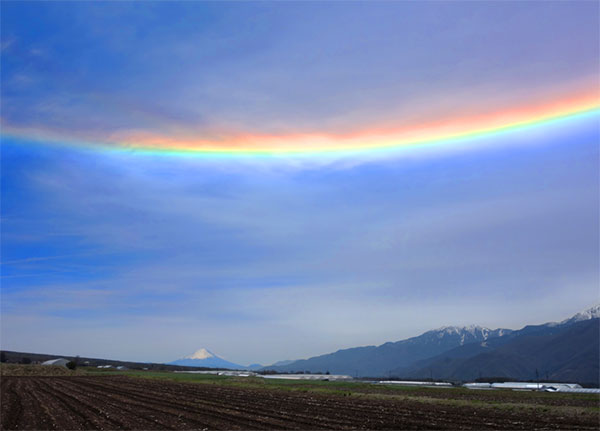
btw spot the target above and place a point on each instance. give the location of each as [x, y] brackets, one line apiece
[278, 180]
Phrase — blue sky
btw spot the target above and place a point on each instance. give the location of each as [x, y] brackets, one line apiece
[137, 256]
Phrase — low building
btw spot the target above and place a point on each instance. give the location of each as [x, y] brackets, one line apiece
[569, 388]
[526, 386]
[414, 383]
[61, 362]
[478, 385]
[308, 376]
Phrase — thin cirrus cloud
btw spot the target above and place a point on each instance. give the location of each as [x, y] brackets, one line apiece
[240, 84]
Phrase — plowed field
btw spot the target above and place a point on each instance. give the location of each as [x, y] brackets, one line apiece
[119, 402]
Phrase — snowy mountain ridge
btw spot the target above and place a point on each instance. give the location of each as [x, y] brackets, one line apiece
[397, 356]
[482, 333]
[590, 313]
[204, 358]
[469, 333]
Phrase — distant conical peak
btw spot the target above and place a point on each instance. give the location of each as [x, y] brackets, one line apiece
[202, 354]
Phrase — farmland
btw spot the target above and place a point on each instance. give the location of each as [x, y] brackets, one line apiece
[137, 400]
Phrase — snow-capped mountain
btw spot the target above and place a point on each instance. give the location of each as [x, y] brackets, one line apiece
[590, 313]
[205, 358]
[380, 360]
[201, 354]
[457, 342]
[566, 350]
[468, 334]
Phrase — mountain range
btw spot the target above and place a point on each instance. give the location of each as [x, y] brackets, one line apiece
[566, 350]
[554, 352]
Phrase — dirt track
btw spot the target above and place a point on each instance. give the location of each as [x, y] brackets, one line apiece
[128, 403]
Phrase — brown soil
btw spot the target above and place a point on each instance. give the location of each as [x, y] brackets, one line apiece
[81, 403]
[491, 396]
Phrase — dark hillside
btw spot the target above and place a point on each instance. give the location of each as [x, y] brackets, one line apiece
[567, 353]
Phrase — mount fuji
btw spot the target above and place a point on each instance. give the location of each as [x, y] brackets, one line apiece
[206, 358]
